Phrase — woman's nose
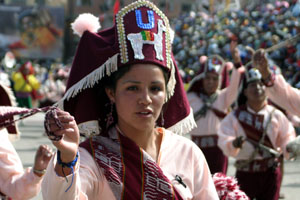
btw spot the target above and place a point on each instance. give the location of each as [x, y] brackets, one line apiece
[145, 98]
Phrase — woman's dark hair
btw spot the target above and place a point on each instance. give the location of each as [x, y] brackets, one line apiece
[242, 99]
[111, 83]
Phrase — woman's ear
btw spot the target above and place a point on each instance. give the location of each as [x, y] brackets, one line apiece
[110, 93]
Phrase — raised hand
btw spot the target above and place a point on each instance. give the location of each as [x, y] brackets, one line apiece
[61, 126]
[42, 158]
[260, 62]
[235, 52]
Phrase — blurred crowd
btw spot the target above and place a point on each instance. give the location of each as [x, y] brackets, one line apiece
[200, 33]
[197, 33]
[34, 84]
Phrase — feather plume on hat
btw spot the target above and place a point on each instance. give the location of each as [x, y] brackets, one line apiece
[85, 22]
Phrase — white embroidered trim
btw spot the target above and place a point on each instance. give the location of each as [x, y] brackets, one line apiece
[137, 42]
[185, 125]
[89, 128]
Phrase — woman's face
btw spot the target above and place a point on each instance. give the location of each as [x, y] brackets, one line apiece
[139, 97]
[210, 83]
[255, 92]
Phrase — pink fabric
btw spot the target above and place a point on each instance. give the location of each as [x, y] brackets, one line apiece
[178, 156]
[280, 131]
[209, 125]
[14, 182]
[284, 95]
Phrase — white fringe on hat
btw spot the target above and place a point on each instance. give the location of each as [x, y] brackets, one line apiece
[184, 126]
[110, 66]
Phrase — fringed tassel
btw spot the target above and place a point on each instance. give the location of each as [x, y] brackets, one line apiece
[110, 66]
[172, 82]
[184, 126]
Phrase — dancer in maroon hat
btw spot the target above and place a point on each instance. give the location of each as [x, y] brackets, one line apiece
[211, 103]
[125, 92]
[256, 134]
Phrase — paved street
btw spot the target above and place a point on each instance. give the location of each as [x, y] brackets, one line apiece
[32, 136]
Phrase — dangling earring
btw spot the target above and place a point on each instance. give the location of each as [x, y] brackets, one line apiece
[109, 116]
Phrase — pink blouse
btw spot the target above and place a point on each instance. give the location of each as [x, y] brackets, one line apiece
[178, 156]
[284, 95]
[209, 124]
[14, 181]
[280, 131]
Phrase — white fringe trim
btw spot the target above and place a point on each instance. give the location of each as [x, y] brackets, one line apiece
[184, 126]
[92, 78]
[172, 82]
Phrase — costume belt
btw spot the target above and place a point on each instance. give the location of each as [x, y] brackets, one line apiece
[206, 141]
[257, 165]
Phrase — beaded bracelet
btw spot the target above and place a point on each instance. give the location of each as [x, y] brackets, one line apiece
[69, 165]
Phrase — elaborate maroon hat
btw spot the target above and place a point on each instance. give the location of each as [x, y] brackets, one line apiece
[214, 64]
[7, 98]
[141, 34]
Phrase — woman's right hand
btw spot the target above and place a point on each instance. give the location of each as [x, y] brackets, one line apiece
[235, 52]
[260, 62]
[64, 126]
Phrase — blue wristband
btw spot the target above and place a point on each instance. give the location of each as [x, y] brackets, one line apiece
[69, 165]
